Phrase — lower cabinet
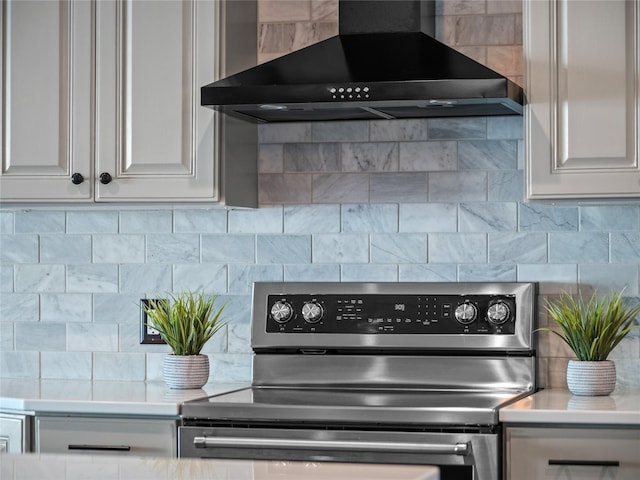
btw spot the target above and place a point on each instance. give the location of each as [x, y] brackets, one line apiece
[570, 453]
[15, 432]
[106, 435]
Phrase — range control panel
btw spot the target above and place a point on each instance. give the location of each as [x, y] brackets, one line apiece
[388, 314]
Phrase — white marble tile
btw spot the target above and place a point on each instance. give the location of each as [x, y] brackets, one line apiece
[66, 307]
[67, 249]
[118, 248]
[39, 278]
[20, 307]
[92, 337]
[360, 218]
[19, 249]
[209, 277]
[118, 366]
[92, 278]
[66, 365]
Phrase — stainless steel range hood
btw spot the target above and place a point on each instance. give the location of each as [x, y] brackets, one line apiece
[384, 64]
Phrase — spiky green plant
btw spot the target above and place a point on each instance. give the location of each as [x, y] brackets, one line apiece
[185, 321]
[592, 328]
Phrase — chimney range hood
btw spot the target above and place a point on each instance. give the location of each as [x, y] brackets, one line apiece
[384, 64]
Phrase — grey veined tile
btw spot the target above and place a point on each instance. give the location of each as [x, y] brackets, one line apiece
[92, 222]
[430, 217]
[488, 155]
[574, 247]
[609, 218]
[369, 218]
[40, 278]
[260, 220]
[428, 156]
[625, 247]
[352, 131]
[312, 219]
[458, 186]
[311, 157]
[488, 217]
[369, 157]
[398, 130]
[340, 188]
[176, 248]
[283, 249]
[548, 218]
[399, 187]
[118, 248]
[511, 247]
[66, 307]
[457, 248]
[92, 278]
[454, 128]
[65, 249]
[39, 222]
[334, 248]
[284, 133]
[19, 249]
[6, 222]
[200, 221]
[399, 248]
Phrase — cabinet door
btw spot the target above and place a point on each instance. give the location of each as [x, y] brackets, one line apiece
[583, 107]
[152, 136]
[45, 90]
[14, 433]
[109, 436]
[570, 453]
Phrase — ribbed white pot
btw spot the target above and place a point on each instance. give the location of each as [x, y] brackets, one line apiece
[591, 378]
[185, 371]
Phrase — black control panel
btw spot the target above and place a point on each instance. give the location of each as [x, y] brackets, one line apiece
[391, 314]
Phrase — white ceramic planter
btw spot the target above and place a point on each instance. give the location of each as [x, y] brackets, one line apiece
[591, 378]
[185, 371]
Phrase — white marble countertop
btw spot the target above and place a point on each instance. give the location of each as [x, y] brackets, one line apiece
[101, 397]
[75, 467]
[561, 406]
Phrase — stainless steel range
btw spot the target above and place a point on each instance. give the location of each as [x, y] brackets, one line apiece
[410, 373]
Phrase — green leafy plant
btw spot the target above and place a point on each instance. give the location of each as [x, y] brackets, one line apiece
[185, 321]
[592, 328]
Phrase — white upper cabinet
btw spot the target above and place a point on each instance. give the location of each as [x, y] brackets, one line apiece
[110, 90]
[152, 136]
[45, 90]
[583, 110]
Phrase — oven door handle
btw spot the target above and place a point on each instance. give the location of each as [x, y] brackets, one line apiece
[405, 447]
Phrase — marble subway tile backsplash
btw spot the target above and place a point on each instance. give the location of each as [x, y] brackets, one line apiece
[414, 200]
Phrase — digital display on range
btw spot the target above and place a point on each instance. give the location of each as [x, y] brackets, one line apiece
[377, 313]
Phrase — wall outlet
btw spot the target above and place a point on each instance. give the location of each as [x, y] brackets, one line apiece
[148, 334]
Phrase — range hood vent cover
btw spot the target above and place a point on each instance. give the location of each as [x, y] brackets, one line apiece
[382, 65]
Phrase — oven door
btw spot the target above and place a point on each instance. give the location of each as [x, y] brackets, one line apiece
[459, 455]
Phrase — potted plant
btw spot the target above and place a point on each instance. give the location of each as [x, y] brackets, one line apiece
[592, 329]
[185, 321]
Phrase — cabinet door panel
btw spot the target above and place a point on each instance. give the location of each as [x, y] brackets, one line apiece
[45, 89]
[153, 137]
[583, 110]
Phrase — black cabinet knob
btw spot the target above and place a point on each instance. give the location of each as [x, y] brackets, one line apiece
[77, 178]
[105, 178]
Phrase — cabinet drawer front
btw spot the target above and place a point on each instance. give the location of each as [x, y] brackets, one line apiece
[139, 437]
[585, 453]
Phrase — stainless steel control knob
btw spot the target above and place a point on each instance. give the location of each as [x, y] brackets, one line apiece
[498, 313]
[312, 312]
[281, 312]
[466, 313]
